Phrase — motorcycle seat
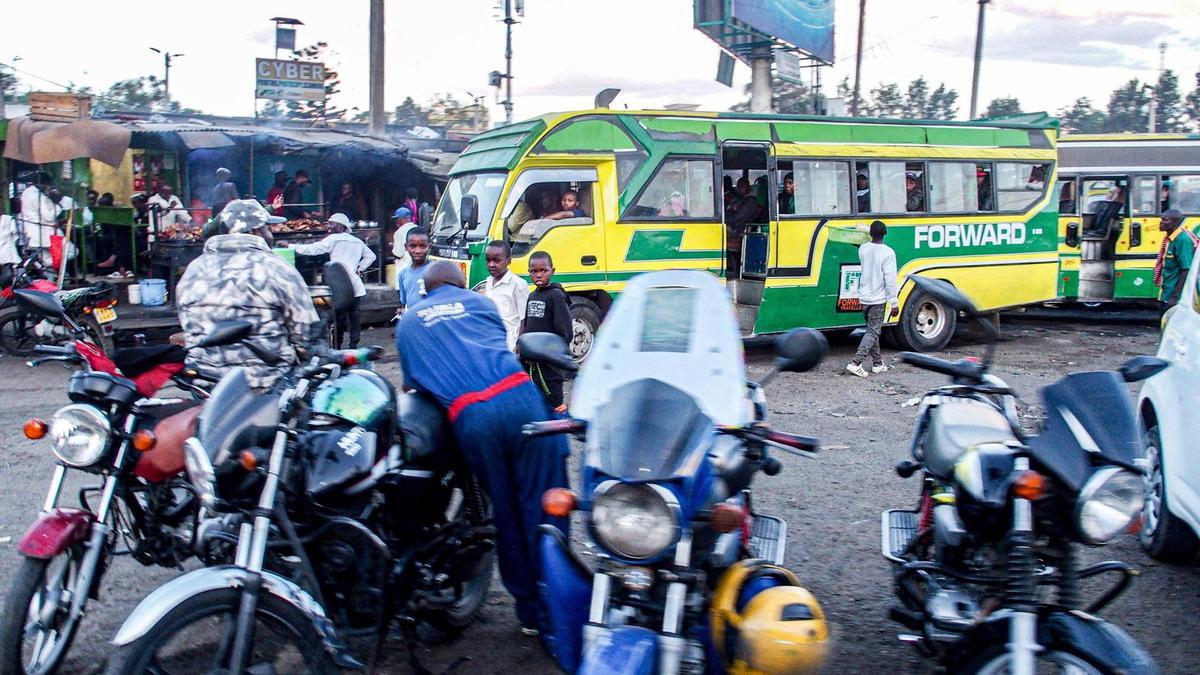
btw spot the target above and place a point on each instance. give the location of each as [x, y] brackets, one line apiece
[956, 425]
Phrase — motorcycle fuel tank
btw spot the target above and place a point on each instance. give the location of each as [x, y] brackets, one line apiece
[358, 397]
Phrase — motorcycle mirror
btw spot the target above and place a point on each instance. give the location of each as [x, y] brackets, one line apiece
[40, 303]
[800, 350]
[546, 348]
[1141, 368]
[226, 333]
[946, 293]
[341, 287]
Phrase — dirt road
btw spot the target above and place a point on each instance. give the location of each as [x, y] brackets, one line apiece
[832, 505]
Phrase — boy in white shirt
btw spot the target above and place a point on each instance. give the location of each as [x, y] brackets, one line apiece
[507, 290]
[876, 290]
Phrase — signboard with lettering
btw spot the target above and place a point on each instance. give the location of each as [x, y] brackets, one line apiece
[847, 300]
[289, 80]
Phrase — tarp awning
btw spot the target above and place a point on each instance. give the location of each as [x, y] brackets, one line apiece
[43, 142]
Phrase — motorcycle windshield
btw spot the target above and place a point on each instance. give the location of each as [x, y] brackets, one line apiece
[1089, 424]
[677, 327]
[235, 417]
[649, 431]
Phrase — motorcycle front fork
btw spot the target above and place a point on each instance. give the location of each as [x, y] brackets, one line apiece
[1023, 645]
[672, 645]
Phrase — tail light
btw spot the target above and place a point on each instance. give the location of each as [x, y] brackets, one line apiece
[105, 304]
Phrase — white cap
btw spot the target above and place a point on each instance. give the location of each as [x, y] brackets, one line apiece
[341, 219]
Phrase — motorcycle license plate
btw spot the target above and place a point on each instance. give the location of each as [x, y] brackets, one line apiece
[105, 314]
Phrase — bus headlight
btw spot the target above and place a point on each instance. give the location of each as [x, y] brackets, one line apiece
[200, 471]
[1108, 502]
[635, 520]
[80, 434]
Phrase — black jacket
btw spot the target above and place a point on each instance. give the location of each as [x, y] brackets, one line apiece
[548, 310]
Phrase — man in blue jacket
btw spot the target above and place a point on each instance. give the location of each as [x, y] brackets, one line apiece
[452, 344]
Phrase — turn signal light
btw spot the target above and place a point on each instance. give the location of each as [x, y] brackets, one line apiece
[144, 440]
[248, 461]
[558, 502]
[1029, 485]
[726, 518]
[35, 428]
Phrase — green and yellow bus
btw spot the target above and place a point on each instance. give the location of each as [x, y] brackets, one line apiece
[971, 203]
[1112, 190]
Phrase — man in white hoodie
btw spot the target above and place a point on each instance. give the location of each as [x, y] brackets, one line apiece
[350, 252]
[876, 290]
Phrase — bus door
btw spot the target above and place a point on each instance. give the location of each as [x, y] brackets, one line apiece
[1104, 215]
[749, 209]
[1138, 243]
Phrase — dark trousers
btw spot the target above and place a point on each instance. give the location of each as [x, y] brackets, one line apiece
[515, 470]
[549, 382]
[349, 322]
[869, 347]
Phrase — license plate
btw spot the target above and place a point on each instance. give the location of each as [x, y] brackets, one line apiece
[105, 314]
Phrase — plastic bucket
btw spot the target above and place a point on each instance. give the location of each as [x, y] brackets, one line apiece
[154, 292]
[135, 294]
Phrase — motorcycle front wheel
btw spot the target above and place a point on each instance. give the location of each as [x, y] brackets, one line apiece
[196, 636]
[36, 628]
[1062, 660]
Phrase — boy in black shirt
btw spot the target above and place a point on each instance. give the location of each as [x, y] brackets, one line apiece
[547, 311]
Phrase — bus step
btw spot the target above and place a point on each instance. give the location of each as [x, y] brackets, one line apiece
[747, 315]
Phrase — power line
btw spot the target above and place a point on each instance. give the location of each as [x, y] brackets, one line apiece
[74, 90]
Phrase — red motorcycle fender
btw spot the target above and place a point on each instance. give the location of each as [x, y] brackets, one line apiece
[55, 532]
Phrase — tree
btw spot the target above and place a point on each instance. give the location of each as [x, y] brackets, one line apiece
[139, 94]
[943, 103]
[410, 114]
[1003, 106]
[447, 111]
[1082, 118]
[1170, 115]
[8, 84]
[786, 98]
[916, 100]
[1128, 108]
[318, 111]
[273, 110]
[886, 101]
[845, 90]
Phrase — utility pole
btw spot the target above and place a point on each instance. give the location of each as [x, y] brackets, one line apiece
[508, 53]
[760, 84]
[1162, 65]
[167, 56]
[378, 123]
[862, 22]
[978, 58]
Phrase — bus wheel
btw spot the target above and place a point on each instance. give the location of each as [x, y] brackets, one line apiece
[926, 325]
[585, 320]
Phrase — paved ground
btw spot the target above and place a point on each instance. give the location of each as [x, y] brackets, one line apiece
[832, 505]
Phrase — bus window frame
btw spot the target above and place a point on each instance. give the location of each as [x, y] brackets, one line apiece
[891, 160]
[1059, 184]
[1179, 175]
[1133, 177]
[718, 213]
[1100, 175]
[780, 217]
[1051, 166]
[976, 163]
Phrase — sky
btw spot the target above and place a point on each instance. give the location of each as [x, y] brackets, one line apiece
[1047, 53]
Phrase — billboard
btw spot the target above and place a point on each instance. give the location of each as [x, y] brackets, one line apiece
[289, 80]
[806, 24]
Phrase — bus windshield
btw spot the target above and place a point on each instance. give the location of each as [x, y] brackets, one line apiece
[485, 186]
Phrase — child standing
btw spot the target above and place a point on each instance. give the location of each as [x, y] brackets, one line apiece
[506, 289]
[548, 311]
[408, 281]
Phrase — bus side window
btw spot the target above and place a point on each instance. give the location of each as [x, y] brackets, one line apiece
[790, 193]
[954, 187]
[985, 187]
[820, 189]
[1144, 199]
[1067, 203]
[887, 187]
[1018, 186]
[1183, 193]
[680, 189]
[862, 188]
[914, 187]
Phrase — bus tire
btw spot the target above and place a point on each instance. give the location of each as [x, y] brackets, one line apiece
[926, 325]
[585, 321]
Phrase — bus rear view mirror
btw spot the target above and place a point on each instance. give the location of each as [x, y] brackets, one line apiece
[468, 208]
[1072, 235]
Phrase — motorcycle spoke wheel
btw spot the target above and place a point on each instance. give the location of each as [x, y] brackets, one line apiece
[41, 635]
[1048, 663]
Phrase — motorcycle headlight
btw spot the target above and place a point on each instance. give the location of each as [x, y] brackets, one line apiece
[80, 434]
[200, 471]
[635, 521]
[1109, 501]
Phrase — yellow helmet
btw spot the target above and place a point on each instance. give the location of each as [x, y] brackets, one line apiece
[764, 622]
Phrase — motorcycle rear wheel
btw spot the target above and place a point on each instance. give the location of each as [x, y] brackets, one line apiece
[36, 628]
[16, 333]
[95, 333]
[285, 639]
[445, 623]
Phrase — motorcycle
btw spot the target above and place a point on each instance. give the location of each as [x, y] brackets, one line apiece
[986, 566]
[144, 507]
[688, 578]
[90, 313]
[339, 510]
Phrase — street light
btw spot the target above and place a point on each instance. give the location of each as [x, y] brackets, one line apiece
[167, 56]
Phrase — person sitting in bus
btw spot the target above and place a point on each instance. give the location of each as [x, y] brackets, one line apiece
[523, 212]
[863, 192]
[1108, 214]
[915, 200]
[674, 206]
[1066, 198]
[570, 207]
[986, 203]
[760, 196]
[743, 210]
[787, 198]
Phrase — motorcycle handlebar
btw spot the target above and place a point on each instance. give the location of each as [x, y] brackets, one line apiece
[962, 368]
[551, 427]
[804, 443]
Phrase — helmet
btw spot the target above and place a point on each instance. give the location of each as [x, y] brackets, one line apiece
[763, 621]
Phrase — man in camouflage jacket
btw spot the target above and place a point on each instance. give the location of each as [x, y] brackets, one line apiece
[239, 278]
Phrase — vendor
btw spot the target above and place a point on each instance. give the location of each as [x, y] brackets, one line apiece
[224, 191]
[349, 203]
[169, 209]
[293, 197]
[351, 253]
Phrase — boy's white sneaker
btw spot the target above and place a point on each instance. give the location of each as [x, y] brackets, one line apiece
[856, 369]
[881, 368]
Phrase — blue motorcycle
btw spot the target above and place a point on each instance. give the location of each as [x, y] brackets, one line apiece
[687, 578]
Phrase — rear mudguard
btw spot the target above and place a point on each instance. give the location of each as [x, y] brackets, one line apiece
[1106, 644]
[56, 532]
[170, 595]
[625, 650]
[566, 590]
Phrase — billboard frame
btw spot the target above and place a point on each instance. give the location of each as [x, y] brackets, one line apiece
[715, 19]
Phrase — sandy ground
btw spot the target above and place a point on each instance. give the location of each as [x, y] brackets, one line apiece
[832, 505]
